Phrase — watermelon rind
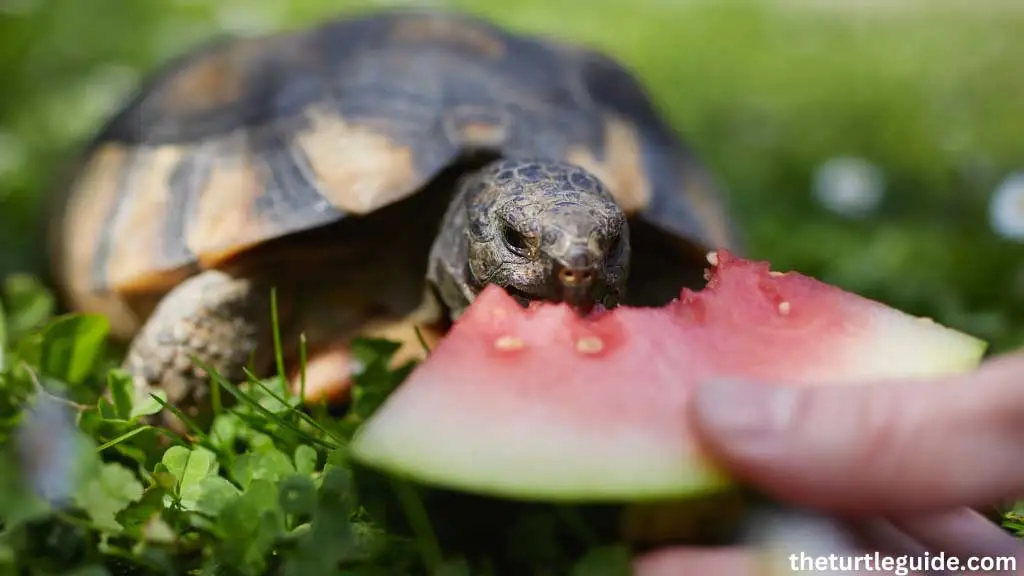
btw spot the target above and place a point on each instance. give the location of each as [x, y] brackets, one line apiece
[908, 352]
[501, 464]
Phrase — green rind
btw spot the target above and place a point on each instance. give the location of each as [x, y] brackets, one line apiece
[943, 352]
[692, 478]
[973, 351]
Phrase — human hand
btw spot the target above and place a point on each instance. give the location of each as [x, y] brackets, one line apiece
[900, 465]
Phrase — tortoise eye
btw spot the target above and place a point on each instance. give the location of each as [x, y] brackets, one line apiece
[515, 242]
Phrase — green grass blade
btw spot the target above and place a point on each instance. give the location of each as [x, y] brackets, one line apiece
[122, 438]
[190, 424]
[292, 410]
[419, 520]
[242, 397]
[423, 341]
[302, 365]
[216, 403]
[3, 335]
[276, 329]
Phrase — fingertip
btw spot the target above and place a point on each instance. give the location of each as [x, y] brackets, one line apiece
[879, 446]
[747, 427]
[818, 446]
[731, 410]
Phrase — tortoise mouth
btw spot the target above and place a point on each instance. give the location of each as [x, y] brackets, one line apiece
[521, 296]
[583, 304]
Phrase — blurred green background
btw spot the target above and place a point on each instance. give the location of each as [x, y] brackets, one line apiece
[866, 142]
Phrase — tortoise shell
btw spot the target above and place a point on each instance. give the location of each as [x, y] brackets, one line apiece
[246, 140]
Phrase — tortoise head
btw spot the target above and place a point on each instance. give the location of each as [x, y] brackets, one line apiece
[545, 230]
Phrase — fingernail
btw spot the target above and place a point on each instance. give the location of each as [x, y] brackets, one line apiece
[742, 408]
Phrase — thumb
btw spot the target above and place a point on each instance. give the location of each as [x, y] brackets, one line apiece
[873, 447]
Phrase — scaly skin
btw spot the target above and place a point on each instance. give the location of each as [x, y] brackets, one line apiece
[543, 230]
[213, 317]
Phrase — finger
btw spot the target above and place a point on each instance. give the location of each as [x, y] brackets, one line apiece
[901, 549]
[873, 448]
[962, 533]
[789, 540]
[881, 535]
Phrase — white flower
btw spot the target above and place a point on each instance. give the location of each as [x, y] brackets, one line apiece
[1006, 208]
[849, 186]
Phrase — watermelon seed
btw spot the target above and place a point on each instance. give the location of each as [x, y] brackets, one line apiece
[589, 345]
[712, 258]
[508, 343]
[776, 274]
[784, 308]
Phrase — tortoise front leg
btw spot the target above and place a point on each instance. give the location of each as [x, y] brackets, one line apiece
[216, 318]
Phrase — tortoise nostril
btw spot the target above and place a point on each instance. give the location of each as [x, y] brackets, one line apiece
[573, 277]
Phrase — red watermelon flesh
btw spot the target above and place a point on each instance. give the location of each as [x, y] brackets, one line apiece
[540, 404]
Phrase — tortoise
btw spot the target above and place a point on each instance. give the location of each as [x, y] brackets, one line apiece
[376, 170]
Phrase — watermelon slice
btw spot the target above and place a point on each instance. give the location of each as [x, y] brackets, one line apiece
[539, 404]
